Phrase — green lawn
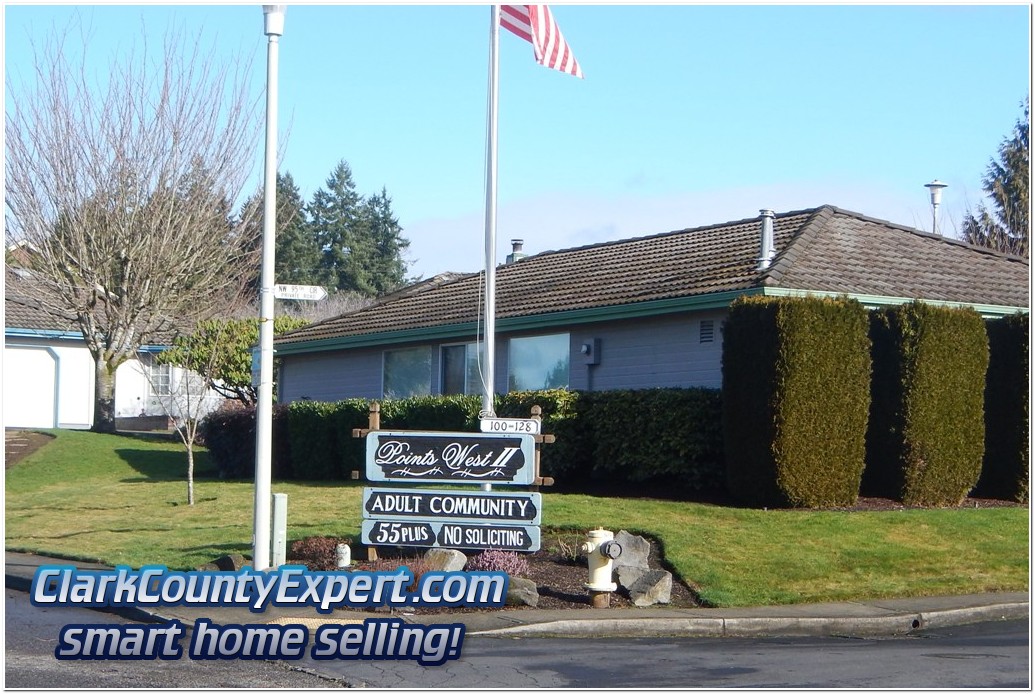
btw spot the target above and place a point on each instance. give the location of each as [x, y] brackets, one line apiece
[122, 500]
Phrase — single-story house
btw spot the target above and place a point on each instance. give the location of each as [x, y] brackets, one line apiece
[637, 313]
[49, 372]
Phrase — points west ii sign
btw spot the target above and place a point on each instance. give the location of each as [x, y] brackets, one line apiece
[422, 456]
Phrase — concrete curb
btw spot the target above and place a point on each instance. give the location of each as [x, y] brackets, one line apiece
[888, 625]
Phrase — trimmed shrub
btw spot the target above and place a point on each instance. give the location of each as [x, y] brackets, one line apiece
[569, 457]
[229, 435]
[432, 413]
[315, 451]
[795, 400]
[669, 437]
[1004, 472]
[664, 436]
[322, 445]
[926, 436]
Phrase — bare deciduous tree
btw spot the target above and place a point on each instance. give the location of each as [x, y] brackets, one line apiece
[124, 187]
[185, 400]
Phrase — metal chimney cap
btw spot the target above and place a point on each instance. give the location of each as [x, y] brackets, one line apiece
[766, 213]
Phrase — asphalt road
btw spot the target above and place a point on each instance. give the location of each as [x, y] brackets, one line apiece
[982, 655]
[30, 637]
[993, 655]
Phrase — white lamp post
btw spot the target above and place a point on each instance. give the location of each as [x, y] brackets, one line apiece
[274, 29]
[935, 187]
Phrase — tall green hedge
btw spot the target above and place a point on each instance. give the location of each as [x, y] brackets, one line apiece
[795, 400]
[1004, 473]
[926, 436]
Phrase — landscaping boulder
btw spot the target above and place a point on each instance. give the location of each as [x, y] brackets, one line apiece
[627, 576]
[652, 587]
[635, 551]
[439, 559]
[522, 591]
[231, 562]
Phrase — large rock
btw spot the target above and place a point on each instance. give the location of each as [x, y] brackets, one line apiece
[522, 591]
[635, 550]
[439, 559]
[652, 587]
[626, 576]
[231, 562]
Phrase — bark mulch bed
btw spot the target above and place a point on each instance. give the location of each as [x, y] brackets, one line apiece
[18, 444]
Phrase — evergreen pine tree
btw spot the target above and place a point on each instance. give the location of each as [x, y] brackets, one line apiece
[1005, 227]
[339, 228]
[298, 258]
[388, 269]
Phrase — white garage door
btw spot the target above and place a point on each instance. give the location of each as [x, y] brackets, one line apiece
[30, 396]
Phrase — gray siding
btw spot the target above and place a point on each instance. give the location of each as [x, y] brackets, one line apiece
[663, 352]
[331, 376]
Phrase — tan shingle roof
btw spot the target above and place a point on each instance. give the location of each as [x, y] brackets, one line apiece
[23, 311]
[845, 252]
[822, 249]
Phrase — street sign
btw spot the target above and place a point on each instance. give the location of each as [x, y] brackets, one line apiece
[427, 504]
[299, 292]
[426, 456]
[408, 533]
[498, 425]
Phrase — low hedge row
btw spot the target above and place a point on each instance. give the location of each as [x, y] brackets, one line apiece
[668, 437]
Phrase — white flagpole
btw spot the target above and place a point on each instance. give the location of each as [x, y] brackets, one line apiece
[274, 28]
[489, 372]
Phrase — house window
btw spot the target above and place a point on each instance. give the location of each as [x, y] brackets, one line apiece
[539, 363]
[407, 372]
[461, 374]
[707, 331]
[160, 377]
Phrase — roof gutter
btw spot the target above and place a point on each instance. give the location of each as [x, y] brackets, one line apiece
[877, 301]
[544, 320]
[604, 313]
[71, 336]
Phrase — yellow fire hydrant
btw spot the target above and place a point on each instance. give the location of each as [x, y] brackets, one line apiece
[601, 550]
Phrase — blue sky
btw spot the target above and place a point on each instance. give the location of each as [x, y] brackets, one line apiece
[688, 115]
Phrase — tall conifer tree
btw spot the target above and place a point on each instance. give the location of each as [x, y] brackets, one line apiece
[1007, 180]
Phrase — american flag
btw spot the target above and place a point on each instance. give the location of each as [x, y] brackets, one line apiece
[534, 23]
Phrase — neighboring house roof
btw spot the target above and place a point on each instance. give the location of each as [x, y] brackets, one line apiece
[25, 315]
[825, 249]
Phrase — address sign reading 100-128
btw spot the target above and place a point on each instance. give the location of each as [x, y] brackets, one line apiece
[407, 456]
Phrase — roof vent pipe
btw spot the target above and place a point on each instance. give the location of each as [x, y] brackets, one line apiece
[768, 249]
[516, 253]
